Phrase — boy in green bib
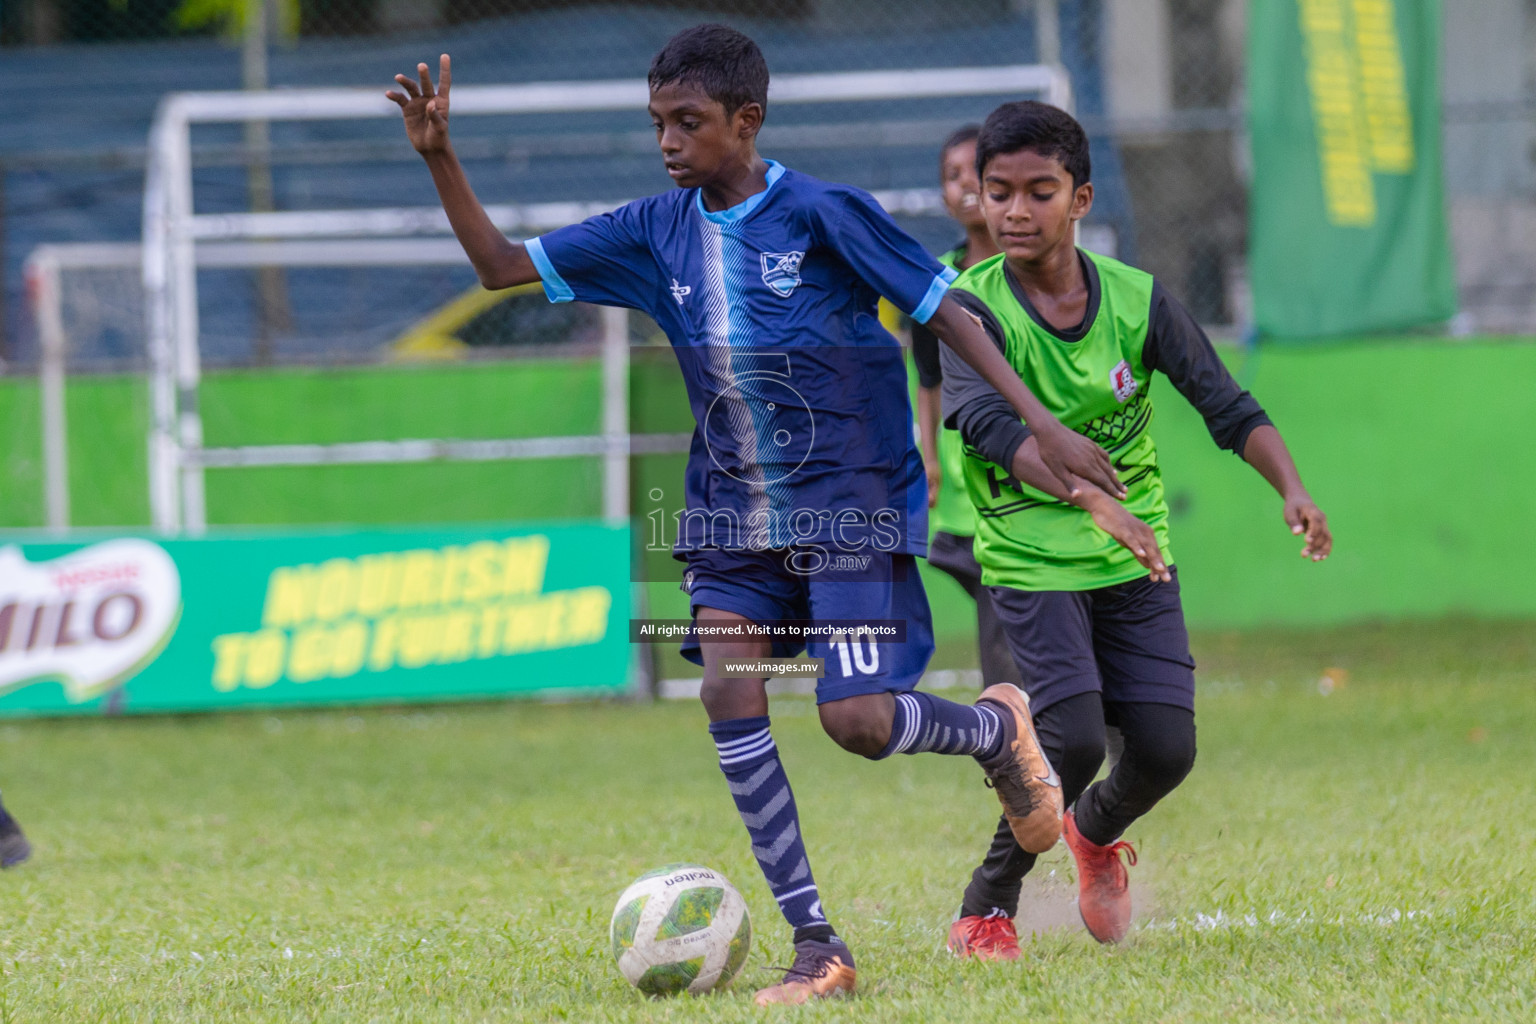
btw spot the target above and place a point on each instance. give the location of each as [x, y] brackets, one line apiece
[1086, 586]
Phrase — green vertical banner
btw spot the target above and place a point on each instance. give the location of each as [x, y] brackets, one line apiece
[1347, 213]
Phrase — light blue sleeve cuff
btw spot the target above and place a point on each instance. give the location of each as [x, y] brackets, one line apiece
[555, 287]
[925, 309]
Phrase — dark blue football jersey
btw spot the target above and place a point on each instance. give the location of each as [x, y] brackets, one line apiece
[800, 395]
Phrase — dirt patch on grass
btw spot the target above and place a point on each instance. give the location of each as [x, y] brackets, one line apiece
[1048, 902]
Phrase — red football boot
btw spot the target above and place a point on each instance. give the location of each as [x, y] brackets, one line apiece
[986, 938]
[1103, 885]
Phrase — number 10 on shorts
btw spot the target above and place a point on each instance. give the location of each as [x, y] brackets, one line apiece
[859, 655]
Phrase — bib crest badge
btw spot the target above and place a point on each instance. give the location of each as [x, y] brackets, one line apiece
[781, 271]
[1123, 381]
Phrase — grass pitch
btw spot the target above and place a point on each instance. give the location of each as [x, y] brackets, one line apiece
[1356, 850]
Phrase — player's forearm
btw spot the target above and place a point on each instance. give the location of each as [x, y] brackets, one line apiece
[1029, 468]
[498, 261]
[962, 333]
[928, 424]
[1108, 514]
[1266, 452]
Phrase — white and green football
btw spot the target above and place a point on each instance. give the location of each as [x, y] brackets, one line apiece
[680, 927]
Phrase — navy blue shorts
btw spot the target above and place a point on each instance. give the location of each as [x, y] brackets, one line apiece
[760, 586]
[1127, 642]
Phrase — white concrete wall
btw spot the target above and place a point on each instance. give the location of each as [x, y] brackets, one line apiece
[1488, 62]
[1137, 77]
[1490, 159]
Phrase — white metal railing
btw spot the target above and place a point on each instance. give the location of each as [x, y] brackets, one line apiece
[46, 265]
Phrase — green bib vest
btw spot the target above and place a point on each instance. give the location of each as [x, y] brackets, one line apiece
[953, 514]
[1097, 386]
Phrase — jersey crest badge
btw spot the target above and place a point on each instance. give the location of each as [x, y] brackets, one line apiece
[1123, 381]
[781, 271]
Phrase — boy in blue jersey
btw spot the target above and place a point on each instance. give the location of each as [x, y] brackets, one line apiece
[805, 491]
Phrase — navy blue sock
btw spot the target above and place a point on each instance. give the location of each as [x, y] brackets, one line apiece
[925, 723]
[750, 761]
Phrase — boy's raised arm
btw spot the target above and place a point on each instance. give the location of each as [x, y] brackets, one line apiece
[1071, 458]
[499, 262]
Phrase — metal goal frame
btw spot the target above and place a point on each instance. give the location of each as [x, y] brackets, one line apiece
[177, 240]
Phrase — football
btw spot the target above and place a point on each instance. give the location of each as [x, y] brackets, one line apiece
[679, 928]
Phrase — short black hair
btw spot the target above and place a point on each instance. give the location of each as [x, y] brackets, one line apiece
[959, 137]
[721, 61]
[1039, 128]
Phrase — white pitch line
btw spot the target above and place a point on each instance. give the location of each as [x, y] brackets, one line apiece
[1280, 919]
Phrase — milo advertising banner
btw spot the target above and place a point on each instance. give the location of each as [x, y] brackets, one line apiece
[134, 624]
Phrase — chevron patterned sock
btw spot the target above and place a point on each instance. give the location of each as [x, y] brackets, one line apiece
[925, 723]
[750, 761]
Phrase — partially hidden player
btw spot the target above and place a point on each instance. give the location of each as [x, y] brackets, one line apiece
[805, 494]
[14, 848]
[951, 516]
[1086, 585]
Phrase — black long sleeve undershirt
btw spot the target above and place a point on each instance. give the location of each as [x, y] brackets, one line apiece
[925, 355]
[1175, 345]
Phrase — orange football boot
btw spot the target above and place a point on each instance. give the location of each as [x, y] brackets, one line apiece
[1103, 884]
[1027, 786]
[821, 970]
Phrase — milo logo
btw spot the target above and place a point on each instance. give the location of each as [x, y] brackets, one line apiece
[89, 619]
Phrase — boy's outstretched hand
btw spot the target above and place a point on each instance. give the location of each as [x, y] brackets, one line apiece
[1304, 518]
[1108, 514]
[1266, 452]
[1070, 456]
[425, 110]
[1130, 532]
